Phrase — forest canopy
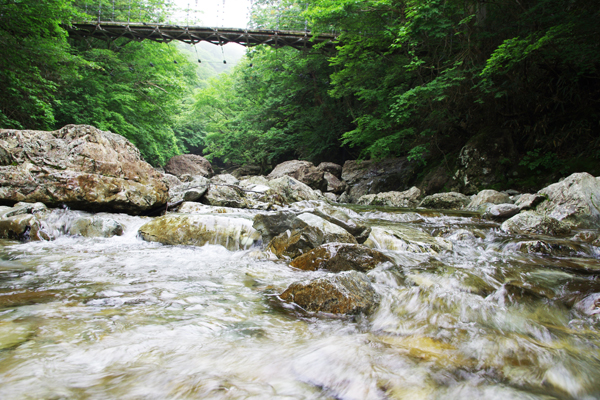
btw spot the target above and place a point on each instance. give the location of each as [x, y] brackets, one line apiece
[415, 78]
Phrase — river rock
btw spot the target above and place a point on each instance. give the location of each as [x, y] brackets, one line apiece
[575, 201]
[22, 208]
[294, 243]
[406, 238]
[371, 177]
[529, 222]
[23, 227]
[529, 201]
[14, 333]
[191, 164]
[225, 196]
[348, 292]
[333, 183]
[271, 225]
[501, 211]
[331, 197]
[488, 196]
[225, 179]
[339, 217]
[337, 257]
[290, 190]
[445, 201]
[198, 230]
[547, 248]
[96, 226]
[331, 232]
[194, 187]
[81, 167]
[304, 171]
[409, 198]
[332, 168]
[590, 305]
[246, 170]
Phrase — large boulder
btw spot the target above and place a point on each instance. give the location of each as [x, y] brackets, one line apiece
[337, 257]
[529, 201]
[408, 199]
[246, 170]
[96, 226]
[371, 177]
[198, 230]
[334, 185]
[445, 201]
[190, 164]
[79, 166]
[192, 189]
[274, 224]
[488, 196]
[294, 243]
[289, 190]
[304, 171]
[575, 201]
[406, 238]
[348, 292]
[530, 222]
[333, 168]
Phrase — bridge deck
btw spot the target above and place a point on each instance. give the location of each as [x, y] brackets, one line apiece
[194, 34]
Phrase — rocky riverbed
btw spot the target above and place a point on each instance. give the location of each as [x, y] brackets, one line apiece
[266, 287]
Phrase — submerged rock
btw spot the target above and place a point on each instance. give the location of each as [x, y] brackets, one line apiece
[198, 230]
[575, 201]
[294, 243]
[337, 257]
[348, 292]
[23, 227]
[271, 225]
[13, 334]
[445, 201]
[529, 222]
[79, 166]
[548, 248]
[191, 164]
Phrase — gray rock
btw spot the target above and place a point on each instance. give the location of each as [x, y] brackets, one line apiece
[529, 201]
[96, 226]
[408, 198]
[225, 179]
[294, 243]
[406, 238]
[198, 230]
[488, 196]
[331, 232]
[23, 208]
[529, 222]
[348, 292]
[331, 197]
[333, 183]
[246, 170]
[23, 227]
[194, 194]
[332, 168]
[445, 201]
[304, 171]
[79, 166]
[271, 225]
[547, 248]
[501, 211]
[194, 184]
[291, 190]
[575, 200]
[225, 196]
[191, 164]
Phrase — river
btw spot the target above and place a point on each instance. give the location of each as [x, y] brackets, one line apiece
[121, 318]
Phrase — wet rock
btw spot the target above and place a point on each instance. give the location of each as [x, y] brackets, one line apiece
[529, 222]
[198, 230]
[294, 243]
[18, 298]
[13, 334]
[290, 190]
[333, 183]
[337, 257]
[191, 164]
[590, 305]
[331, 232]
[23, 208]
[332, 168]
[303, 171]
[586, 236]
[370, 177]
[405, 238]
[575, 201]
[445, 201]
[79, 166]
[338, 217]
[547, 248]
[348, 292]
[501, 211]
[408, 198]
[96, 226]
[194, 194]
[529, 201]
[271, 225]
[23, 227]
[488, 196]
[225, 196]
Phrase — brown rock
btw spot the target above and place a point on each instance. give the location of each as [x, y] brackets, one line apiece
[304, 171]
[348, 292]
[79, 166]
[337, 257]
[333, 183]
[332, 168]
[296, 242]
[191, 164]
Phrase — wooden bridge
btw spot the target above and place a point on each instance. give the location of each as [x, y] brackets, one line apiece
[194, 34]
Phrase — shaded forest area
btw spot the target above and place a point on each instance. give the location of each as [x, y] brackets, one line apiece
[411, 78]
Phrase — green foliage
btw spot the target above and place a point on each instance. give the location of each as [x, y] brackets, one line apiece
[538, 162]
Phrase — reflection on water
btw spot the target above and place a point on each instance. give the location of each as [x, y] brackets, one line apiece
[122, 318]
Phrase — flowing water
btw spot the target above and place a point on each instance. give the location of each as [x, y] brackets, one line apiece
[121, 318]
